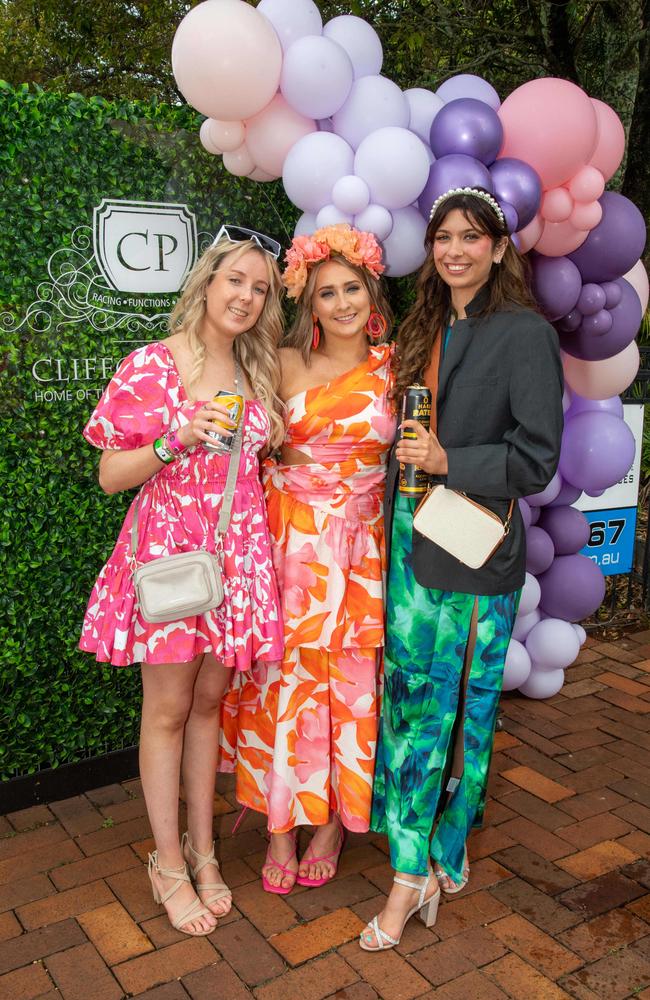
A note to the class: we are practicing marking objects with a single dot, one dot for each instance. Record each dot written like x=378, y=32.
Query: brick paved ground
x=557, y=906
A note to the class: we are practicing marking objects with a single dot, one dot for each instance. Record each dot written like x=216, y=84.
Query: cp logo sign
x=144, y=246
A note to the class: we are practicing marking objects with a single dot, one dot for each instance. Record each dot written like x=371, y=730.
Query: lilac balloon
x=330, y=215
x=292, y=19
x=615, y=244
x=394, y=164
x=580, y=632
x=592, y=299
x=597, y=450
x=542, y=683
x=375, y=219
x=572, y=320
x=424, y=106
x=305, y=225
x=625, y=322
x=404, y=248
x=511, y=217
x=306, y=63
x=525, y=513
x=534, y=514
x=467, y=126
x=351, y=194
x=313, y=166
x=580, y=405
x=469, y=85
x=556, y=285
x=450, y=172
x=524, y=623
x=539, y=550
x=568, y=528
x=552, y=644
x=530, y=596
x=572, y=588
x=360, y=41
x=519, y=185
x=374, y=102
x=567, y=396
x=548, y=494
x=517, y=667
x=567, y=495
x=325, y=125
x=613, y=293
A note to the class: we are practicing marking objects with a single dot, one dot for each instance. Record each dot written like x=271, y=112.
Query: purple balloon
x=597, y=450
x=596, y=324
x=612, y=292
x=592, y=299
x=567, y=495
x=519, y=185
x=548, y=494
x=451, y=172
x=525, y=513
x=572, y=588
x=516, y=241
x=539, y=550
x=512, y=219
x=467, y=126
x=570, y=322
x=468, y=85
x=615, y=244
x=626, y=319
x=568, y=528
x=534, y=515
x=580, y=405
x=556, y=285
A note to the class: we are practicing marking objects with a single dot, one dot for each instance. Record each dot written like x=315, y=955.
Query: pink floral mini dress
x=179, y=511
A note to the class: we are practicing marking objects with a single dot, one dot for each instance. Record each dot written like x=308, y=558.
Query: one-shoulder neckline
x=346, y=374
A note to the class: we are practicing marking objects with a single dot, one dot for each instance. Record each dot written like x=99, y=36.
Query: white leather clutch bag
x=461, y=526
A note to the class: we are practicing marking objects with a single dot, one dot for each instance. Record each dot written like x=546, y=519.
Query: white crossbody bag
x=462, y=527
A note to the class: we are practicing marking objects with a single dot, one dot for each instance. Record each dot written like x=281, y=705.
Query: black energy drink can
x=416, y=405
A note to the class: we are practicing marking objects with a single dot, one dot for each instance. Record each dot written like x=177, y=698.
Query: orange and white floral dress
x=302, y=738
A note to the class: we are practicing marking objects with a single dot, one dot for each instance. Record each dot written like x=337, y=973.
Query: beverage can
x=235, y=406
x=416, y=405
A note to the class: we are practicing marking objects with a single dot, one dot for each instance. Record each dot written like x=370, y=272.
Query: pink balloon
x=560, y=238
x=226, y=58
x=602, y=379
x=262, y=176
x=271, y=134
x=610, y=145
x=239, y=162
x=529, y=235
x=227, y=136
x=586, y=215
x=637, y=276
x=587, y=185
x=205, y=135
x=557, y=205
x=552, y=125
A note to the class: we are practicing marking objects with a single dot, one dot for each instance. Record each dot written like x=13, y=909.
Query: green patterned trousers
x=427, y=633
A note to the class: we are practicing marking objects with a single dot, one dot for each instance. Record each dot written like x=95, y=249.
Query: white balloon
x=351, y=195
x=360, y=41
x=404, y=248
x=517, y=667
x=331, y=216
x=374, y=102
x=292, y=19
x=375, y=219
x=306, y=225
x=394, y=164
x=307, y=63
x=313, y=167
x=424, y=106
x=530, y=596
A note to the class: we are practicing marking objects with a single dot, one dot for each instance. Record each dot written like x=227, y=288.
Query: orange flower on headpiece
x=360, y=249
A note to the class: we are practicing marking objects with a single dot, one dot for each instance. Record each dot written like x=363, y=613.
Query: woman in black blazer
x=493, y=364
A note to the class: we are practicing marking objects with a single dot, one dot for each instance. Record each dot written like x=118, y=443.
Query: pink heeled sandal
x=333, y=859
x=280, y=890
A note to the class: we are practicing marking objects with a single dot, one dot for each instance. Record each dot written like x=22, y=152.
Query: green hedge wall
x=59, y=156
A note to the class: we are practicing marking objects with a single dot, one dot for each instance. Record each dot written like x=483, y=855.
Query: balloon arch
x=286, y=96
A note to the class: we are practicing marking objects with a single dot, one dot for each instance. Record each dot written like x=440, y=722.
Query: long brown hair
x=507, y=287
x=301, y=331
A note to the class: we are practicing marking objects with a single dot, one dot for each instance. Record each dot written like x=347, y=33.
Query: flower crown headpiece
x=360, y=249
x=487, y=198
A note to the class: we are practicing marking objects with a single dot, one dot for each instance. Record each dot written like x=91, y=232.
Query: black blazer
x=500, y=421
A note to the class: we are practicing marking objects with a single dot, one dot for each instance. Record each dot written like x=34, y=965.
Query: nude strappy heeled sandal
x=218, y=890
x=427, y=910
x=194, y=911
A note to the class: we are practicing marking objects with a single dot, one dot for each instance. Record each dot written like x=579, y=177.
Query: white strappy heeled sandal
x=427, y=910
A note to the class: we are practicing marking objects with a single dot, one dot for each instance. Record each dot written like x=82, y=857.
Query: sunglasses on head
x=238, y=234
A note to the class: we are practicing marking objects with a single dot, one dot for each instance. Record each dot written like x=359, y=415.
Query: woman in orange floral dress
x=305, y=738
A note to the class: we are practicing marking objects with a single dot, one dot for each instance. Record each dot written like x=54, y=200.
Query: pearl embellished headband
x=487, y=198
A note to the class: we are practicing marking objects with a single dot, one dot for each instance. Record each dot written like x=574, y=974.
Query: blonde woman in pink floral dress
x=152, y=423
x=307, y=739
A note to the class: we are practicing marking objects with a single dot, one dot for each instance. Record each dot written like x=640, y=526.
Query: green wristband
x=162, y=451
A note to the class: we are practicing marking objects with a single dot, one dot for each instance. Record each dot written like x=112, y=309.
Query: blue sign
x=611, y=544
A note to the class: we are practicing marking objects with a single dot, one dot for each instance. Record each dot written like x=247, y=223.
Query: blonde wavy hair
x=300, y=334
x=257, y=348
